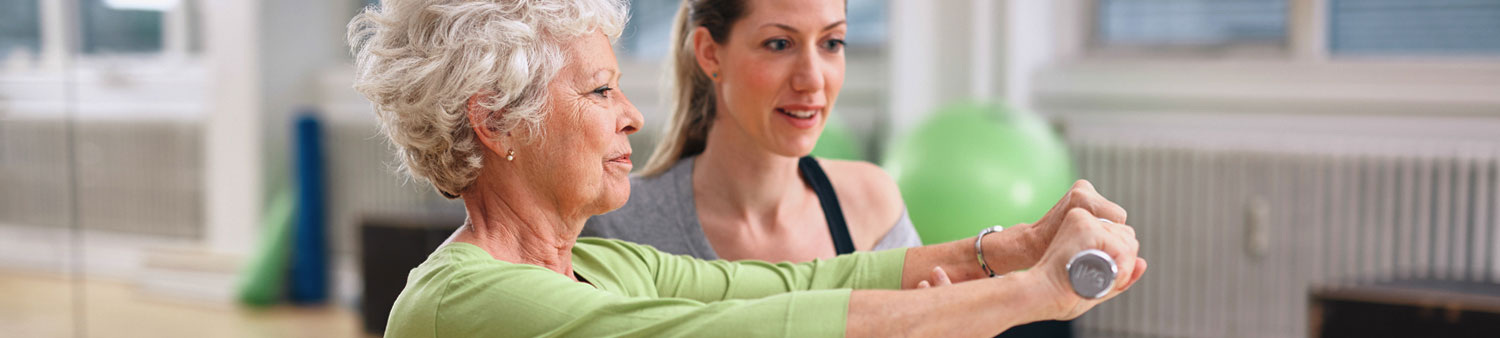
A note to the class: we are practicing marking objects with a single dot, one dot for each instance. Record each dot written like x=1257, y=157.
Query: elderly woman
x=511, y=106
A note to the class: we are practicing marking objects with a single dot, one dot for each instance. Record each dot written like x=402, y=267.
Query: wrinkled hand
x=1080, y=230
x=1081, y=196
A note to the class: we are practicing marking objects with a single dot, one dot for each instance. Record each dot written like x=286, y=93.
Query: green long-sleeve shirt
x=460, y=291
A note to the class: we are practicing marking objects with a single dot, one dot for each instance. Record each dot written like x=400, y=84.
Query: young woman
x=732, y=179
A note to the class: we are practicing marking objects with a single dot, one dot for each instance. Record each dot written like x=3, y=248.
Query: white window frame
x=1087, y=17
x=167, y=84
x=58, y=35
x=1304, y=79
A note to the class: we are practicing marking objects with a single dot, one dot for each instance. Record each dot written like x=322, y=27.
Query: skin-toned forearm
x=1009, y=250
x=976, y=306
x=980, y=308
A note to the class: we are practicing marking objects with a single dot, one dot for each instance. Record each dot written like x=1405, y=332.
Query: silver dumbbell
x=1092, y=273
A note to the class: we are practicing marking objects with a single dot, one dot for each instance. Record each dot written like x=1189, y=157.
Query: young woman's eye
x=778, y=44
x=602, y=91
x=834, y=45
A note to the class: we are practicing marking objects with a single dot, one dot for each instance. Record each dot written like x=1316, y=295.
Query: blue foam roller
x=309, y=274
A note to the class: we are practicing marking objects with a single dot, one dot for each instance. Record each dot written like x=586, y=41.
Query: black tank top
x=818, y=180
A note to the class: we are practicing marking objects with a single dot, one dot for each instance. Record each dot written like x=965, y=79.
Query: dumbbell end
x=1092, y=273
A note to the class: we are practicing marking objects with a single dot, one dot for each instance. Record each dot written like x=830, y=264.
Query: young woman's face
x=780, y=71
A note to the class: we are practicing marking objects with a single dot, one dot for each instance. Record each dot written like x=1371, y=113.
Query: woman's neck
x=735, y=175
x=515, y=226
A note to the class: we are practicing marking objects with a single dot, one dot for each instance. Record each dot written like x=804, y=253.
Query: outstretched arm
x=1017, y=247
x=987, y=306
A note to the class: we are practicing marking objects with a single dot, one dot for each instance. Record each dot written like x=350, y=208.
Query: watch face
x=1092, y=273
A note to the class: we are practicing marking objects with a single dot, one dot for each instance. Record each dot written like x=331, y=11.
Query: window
x=117, y=27
x=1336, y=28
x=649, y=31
x=1414, y=28
x=19, y=29
x=1419, y=57
x=867, y=22
x=101, y=27
x=1190, y=24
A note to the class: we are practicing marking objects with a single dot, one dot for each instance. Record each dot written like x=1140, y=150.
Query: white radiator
x=1237, y=231
x=145, y=176
x=136, y=147
x=133, y=176
x=363, y=181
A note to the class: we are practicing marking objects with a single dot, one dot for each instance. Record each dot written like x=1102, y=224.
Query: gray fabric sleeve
x=902, y=235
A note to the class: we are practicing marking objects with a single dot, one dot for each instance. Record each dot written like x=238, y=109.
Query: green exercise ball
x=837, y=142
x=973, y=165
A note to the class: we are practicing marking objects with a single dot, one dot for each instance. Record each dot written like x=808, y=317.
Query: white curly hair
x=419, y=62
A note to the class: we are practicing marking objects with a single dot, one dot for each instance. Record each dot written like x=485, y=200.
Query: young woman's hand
x=939, y=278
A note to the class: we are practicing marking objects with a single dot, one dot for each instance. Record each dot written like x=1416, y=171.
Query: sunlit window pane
x=1190, y=22
x=649, y=31
x=1405, y=27
x=108, y=29
x=18, y=27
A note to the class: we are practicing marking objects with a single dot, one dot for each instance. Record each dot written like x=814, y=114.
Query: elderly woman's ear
x=487, y=133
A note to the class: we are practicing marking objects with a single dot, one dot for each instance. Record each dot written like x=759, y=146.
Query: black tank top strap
x=818, y=180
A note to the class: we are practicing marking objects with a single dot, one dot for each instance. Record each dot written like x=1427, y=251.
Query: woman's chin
x=798, y=147
x=617, y=194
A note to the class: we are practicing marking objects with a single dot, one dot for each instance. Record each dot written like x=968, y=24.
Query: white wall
x=300, y=41
x=949, y=51
x=232, y=141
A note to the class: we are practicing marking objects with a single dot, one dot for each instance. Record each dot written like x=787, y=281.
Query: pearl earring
x=510, y=155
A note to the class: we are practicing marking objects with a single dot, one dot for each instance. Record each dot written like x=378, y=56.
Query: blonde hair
x=419, y=62
x=693, y=101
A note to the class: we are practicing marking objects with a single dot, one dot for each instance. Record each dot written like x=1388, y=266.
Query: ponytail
x=693, y=100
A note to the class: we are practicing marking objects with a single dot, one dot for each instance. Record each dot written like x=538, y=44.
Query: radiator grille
x=1236, y=235
x=145, y=177
x=134, y=176
x=362, y=181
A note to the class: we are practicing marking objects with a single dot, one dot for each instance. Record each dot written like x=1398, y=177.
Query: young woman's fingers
x=940, y=277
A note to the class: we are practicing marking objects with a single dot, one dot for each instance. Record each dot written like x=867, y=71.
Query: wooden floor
x=38, y=305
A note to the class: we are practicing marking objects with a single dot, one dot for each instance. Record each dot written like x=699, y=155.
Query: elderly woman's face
x=781, y=68
x=583, y=155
